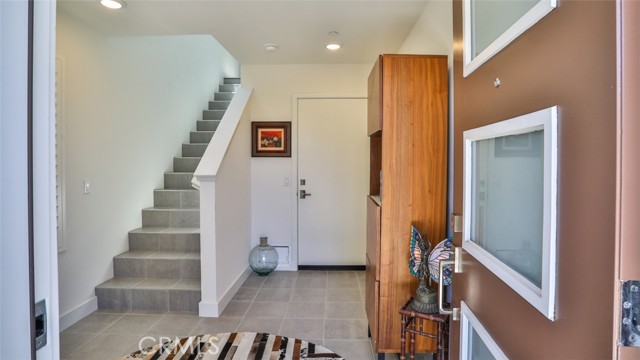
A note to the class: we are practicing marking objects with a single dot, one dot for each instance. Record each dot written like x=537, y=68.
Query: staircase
x=161, y=270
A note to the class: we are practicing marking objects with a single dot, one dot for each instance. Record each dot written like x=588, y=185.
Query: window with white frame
x=510, y=200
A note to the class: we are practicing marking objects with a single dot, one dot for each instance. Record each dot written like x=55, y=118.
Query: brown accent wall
x=567, y=59
x=629, y=171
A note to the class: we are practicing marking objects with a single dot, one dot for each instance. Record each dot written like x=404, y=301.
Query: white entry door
x=333, y=169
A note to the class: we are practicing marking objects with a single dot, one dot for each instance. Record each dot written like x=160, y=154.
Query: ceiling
x=299, y=27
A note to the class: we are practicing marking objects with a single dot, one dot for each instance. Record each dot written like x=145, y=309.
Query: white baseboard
x=78, y=313
x=208, y=309
x=214, y=309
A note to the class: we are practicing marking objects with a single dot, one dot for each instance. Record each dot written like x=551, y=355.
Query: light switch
x=87, y=187
x=287, y=181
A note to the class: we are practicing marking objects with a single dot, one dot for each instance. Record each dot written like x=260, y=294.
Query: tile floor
x=326, y=308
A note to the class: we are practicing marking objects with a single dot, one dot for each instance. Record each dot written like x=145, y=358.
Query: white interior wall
x=272, y=203
x=433, y=32
x=129, y=105
x=233, y=221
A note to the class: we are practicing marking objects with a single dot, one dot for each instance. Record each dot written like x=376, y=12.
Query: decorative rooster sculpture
x=425, y=266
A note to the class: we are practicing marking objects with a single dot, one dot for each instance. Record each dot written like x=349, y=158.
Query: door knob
x=304, y=194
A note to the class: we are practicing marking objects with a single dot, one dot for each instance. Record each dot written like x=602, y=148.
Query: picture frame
x=271, y=139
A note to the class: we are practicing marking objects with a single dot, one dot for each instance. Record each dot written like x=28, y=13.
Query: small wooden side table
x=413, y=323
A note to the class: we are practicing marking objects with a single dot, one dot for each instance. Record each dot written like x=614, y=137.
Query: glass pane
x=507, y=201
x=478, y=349
x=491, y=18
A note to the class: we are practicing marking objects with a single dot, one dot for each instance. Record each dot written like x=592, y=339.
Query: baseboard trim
x=78, y=313
x=214, y=309
x=233, y=289
x=333, y=267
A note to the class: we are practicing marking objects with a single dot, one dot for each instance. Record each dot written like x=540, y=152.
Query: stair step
x=185, y=164
x=157, y=264
x=207, y=125
x=165, y=239
x=201, y=137
x=171, y=218
x=193, y=150
x=231, y=81
x=227, y=88
x=219, y=105
x=212, y=114
x=225, y=96
x=176, y=198
x=174, y=180
x=149, y=294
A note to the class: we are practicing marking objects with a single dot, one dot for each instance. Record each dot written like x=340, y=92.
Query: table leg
x=402, y=338
x=412, y=335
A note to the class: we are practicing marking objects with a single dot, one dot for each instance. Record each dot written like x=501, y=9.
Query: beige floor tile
x=245, y=294
x=311, y=282
x=351, y=349
x=216, y=325
x=133, y=324
x=172, y=326
x=308, y=295
x=274, y=295
x=305, y=310
x=345, y=310
x=345, y=329
x=279, y=282
x=270, y=326
x=105, y=346
x=70, y=342
x=95, y=323
x=270, y=310
x=236, y=309
x=343, y=295
x=303, y=328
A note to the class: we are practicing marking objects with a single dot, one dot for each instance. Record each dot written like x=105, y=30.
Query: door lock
x=304, y=194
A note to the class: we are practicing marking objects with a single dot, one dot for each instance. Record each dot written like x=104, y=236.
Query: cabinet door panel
x=372, y=294
x=373, y=236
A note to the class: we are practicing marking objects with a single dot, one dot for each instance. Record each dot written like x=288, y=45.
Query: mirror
x=490, y=25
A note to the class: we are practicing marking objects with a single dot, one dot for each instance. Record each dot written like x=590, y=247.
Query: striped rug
x=235, y=346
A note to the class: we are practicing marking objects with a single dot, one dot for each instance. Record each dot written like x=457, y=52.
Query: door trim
x=469, y=320
x=295, y=99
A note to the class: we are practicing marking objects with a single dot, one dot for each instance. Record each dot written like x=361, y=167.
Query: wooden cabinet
x=407, y=113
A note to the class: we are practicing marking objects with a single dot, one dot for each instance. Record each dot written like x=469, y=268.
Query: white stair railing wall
x=224, y=180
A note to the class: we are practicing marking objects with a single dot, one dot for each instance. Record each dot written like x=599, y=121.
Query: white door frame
x=15, y=313
x=296, y=97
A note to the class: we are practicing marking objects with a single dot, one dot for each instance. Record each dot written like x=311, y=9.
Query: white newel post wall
x=223, y=178
x=208, y=303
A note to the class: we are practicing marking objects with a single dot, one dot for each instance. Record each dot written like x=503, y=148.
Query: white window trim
x=530, y=18
x=470, y=321
x=542, y=298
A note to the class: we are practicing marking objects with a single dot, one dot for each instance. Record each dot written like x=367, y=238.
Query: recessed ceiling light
x=270, y=47
x=333, y=46
x=113, y=4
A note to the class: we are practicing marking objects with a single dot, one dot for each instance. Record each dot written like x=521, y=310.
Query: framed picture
x=270, y=139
